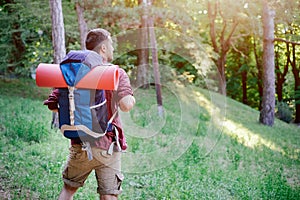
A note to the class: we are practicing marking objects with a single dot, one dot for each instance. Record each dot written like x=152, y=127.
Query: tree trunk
x=58, y=39
x=267, y=112
x=279, y=87
x=224, y=43
x=143, y=52
x=297, y=115
x=58, y=31
x=18, y=43
x=244, y=86
x=155, y=67
x=259, y=73
x=296, y=73
x=81, y=24
x=297, y=99
x=280, y=76
x=295, y=70
x=221, y=68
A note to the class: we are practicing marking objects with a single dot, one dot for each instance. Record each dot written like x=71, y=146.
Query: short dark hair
x=96, y=37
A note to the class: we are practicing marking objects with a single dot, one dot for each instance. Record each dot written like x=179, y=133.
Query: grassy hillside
x=204, y=147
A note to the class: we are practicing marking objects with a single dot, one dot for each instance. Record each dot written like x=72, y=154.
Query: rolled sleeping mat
x=49, y=75
x=100, y=77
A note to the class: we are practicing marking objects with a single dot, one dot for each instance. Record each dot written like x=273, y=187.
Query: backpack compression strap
x=81, y=128
x=72, y=104
x=85, y=129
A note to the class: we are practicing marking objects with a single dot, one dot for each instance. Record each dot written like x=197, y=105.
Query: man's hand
x=127, y=103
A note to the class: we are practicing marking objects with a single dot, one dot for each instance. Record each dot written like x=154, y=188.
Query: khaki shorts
x=107, y=169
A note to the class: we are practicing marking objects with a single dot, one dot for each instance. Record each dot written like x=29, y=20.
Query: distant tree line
x=230, y=34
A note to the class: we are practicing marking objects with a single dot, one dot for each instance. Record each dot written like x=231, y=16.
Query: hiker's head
x=99, y=40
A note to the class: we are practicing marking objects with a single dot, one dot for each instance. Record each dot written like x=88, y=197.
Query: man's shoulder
x=122, y=72
x=87, y=57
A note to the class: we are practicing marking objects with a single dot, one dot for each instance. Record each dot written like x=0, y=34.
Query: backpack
x=82, y=108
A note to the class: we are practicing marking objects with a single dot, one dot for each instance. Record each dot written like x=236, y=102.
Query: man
x=107, y=166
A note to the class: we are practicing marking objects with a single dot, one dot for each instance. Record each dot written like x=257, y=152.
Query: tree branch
x=238, y=51
x=286, y=68
x=286, y=41
x=223, y=33
x=212, y=16
x=232, y=31
x=227, y=41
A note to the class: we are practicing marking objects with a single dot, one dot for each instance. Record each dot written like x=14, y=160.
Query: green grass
x=204, y=147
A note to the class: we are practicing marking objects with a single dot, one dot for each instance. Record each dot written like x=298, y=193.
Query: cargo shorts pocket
x=111, y=185
x=119, y=180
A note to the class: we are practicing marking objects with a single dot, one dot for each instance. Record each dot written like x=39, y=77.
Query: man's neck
x=104, y=59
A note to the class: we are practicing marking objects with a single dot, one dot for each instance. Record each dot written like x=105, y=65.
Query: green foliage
x=183, y=20
x=284, y=112
x=186, y=71
x=36, y=53
x=23, y=31
x=34, y=29
x=128, y=62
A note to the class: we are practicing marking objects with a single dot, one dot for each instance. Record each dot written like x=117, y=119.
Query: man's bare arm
x=127, y=103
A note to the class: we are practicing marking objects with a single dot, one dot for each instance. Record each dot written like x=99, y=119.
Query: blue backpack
x=82, y=112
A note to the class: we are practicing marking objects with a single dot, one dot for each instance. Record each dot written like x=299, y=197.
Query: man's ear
x=103, y=47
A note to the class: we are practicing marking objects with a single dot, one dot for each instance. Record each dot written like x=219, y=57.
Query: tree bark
x=280, y=76
x=244, y=86
x=143, y=52
x=221, y=69
x=279, y=87
x=81, y=24
x=296, y=73
x=18, y=43
x=267, y=113
x=259, y=73
x=58, y=39
x=155, y=67
x=58, y=31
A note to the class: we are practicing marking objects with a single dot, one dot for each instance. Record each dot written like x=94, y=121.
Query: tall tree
x=58, y=39
x=143, y=52
x=79, y=7
x=222, y=44
x=259, y=67
x=296, y=72
x=288, y=34
x=239, y=68
x=281, y=73
x=58, y=31
x=267, y=112
x=155, y=64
